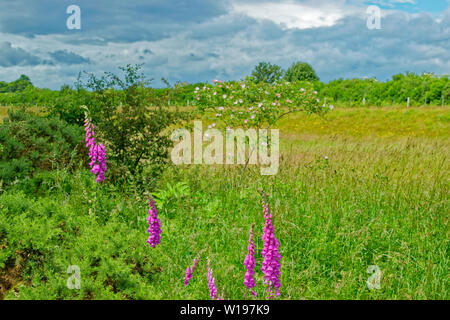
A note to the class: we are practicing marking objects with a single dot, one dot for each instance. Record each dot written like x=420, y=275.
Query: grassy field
x=362, y=187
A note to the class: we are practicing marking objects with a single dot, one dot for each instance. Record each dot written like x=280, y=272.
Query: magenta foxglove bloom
x=271, y=257
x=154, y=225
x=96, y=152
x=211, y=284
x=189, y=272
x=250, y=263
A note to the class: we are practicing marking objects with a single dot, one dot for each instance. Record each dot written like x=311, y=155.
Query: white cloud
x=291, y=15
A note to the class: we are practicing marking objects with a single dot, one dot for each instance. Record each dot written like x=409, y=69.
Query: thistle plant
x=154, y=225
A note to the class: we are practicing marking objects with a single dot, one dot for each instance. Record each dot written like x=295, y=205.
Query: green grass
x=380, y=198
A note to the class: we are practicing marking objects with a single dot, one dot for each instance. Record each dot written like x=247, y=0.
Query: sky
x=202, y=40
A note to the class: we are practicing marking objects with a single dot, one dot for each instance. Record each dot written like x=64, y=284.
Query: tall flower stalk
x=97, y=152
x=271, y=256
x=211, y=283
x=250, y=263
x=154, y=225
x=189, y=272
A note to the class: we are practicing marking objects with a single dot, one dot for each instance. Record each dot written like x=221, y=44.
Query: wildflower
x=97, y=153
x=243, y=86
x=154, y=225
x=197, y=88
x=224, y=96
x=250, y=263
x=100, y=168
x=211, y=283
x=190, y=271
x=271, y=256
x=331, y=107
x=220, y=108
x=215, y=93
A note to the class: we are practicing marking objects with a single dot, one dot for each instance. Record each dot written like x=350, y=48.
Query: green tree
x=301, y=71
x=267, y=72
x=134, y=133
x=20, y=84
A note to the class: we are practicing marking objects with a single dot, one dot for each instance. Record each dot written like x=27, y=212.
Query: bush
x=133, y=132
x=30, y=143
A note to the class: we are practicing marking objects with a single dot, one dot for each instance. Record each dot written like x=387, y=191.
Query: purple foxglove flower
x=96, y=152
x=154, y=225
x=211, y=284
x=189, y=272
x=250, y=263
x=271, y=256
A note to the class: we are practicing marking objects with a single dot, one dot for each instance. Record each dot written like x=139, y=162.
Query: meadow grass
x=361, y=187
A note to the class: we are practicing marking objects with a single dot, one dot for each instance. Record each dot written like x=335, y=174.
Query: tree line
x=402, y=89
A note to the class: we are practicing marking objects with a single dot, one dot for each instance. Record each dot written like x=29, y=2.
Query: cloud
x=112, y=20
x=67, y=57
x=291, y=15
x=14, y=56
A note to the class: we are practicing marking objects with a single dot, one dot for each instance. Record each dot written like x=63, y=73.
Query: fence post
x=407, y=103
x=364, y=101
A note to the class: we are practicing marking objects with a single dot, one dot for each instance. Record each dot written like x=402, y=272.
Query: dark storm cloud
x=11, y=56
x=67, y=57
x=112, y=20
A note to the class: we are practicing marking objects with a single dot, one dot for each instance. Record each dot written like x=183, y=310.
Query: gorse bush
x=32, y=143
x=133, y=132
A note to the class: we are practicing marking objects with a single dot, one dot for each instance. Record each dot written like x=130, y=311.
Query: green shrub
x=33, y=143
x=134, y=133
